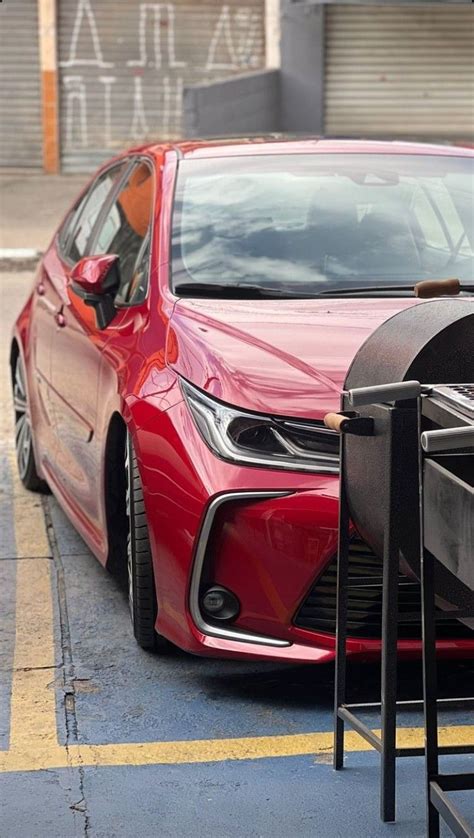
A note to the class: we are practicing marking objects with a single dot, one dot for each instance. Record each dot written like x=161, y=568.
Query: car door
x=121, y=228
x=46, y=304
x=76, y=361
x=43, y=325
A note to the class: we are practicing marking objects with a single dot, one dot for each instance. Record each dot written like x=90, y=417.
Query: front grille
x=318, y=611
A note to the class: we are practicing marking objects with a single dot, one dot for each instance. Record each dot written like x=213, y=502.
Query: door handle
x=60, y=319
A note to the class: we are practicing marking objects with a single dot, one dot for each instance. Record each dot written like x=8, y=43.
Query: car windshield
x=317, y=223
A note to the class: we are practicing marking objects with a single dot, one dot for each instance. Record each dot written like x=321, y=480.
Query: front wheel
x=141, y=582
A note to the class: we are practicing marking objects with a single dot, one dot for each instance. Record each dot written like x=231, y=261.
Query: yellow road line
x=208, y=750
x=33, y=711
x=33, y=739
x=30, y=529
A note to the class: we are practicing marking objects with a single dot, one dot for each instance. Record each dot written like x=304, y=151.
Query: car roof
x=286, y=144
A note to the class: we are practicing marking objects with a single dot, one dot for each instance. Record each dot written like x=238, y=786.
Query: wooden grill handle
x=335, y=421
x=437, y=288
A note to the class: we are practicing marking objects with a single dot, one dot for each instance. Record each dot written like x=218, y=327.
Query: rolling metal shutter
x=123, y=66
x=400, y=71
x=20, y=89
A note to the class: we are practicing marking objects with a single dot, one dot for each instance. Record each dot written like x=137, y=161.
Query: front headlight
x=254, y=440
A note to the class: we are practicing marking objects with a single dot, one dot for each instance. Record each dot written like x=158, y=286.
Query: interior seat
x=388, y=243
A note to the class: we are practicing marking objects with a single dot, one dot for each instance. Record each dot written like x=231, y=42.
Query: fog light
x=220, y=604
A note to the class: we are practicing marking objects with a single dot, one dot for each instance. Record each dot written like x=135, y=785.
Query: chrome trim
x=200, y=555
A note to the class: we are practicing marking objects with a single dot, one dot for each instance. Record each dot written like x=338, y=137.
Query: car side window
x=88, y=212
x=69, y=223
x=125, y=231
x=138, y=286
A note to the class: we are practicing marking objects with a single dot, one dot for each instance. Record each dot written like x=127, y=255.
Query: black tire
x=25, y=455
x=141, y=582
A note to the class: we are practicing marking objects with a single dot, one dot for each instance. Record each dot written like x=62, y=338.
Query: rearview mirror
x=96, y=279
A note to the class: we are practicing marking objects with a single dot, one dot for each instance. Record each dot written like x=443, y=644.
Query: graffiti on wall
x=126, y=81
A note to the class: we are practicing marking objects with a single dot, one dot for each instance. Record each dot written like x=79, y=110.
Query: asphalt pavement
x=103, y=740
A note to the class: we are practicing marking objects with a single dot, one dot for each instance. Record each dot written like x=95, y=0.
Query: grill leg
x=389, y=683
x=430, y=687
x=389, y=645
x=341, y=625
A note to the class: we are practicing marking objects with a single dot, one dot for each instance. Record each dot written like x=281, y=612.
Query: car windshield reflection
x=308, y=222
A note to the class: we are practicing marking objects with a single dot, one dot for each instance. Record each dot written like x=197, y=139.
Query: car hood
x=284, y=357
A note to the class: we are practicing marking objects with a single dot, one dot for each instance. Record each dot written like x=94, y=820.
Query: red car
x=189, y=326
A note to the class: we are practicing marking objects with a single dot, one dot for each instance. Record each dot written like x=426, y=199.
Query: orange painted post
x=49, y=84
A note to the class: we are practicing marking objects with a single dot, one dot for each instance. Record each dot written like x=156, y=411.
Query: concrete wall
x=290, y=99
x=302, y=67
x=245, y=104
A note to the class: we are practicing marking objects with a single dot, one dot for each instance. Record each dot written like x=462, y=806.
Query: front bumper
x=265, y=535
x=270, y=551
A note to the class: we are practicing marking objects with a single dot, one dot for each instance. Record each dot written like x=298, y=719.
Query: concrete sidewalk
x=31, y=207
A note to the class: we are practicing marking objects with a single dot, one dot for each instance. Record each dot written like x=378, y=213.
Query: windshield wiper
x=424, y=288
x=243, y=291
x=366, y=290
x=240, y=292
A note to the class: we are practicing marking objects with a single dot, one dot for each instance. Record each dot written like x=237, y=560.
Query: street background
x=101, y=739
x=98, y=738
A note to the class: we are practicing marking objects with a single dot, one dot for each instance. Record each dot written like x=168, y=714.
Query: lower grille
x=318, y=611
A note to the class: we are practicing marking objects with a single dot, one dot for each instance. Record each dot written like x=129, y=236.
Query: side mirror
x=96, y=280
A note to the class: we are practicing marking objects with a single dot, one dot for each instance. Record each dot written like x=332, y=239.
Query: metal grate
x=20, y=89
x=318, y=611
x=459, y=396
x=399, y=69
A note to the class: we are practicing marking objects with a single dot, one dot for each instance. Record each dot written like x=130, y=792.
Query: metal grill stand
x=438, y=785
x=394, y=423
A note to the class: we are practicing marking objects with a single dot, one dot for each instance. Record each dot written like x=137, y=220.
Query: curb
x=18, y=258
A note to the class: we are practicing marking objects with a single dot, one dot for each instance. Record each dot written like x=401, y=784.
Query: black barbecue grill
x=430, y=342
x=407, y=483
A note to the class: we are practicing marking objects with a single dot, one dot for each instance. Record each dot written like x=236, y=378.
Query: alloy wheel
x=23, y=438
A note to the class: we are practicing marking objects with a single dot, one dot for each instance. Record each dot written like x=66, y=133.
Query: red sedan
x=189, y=326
